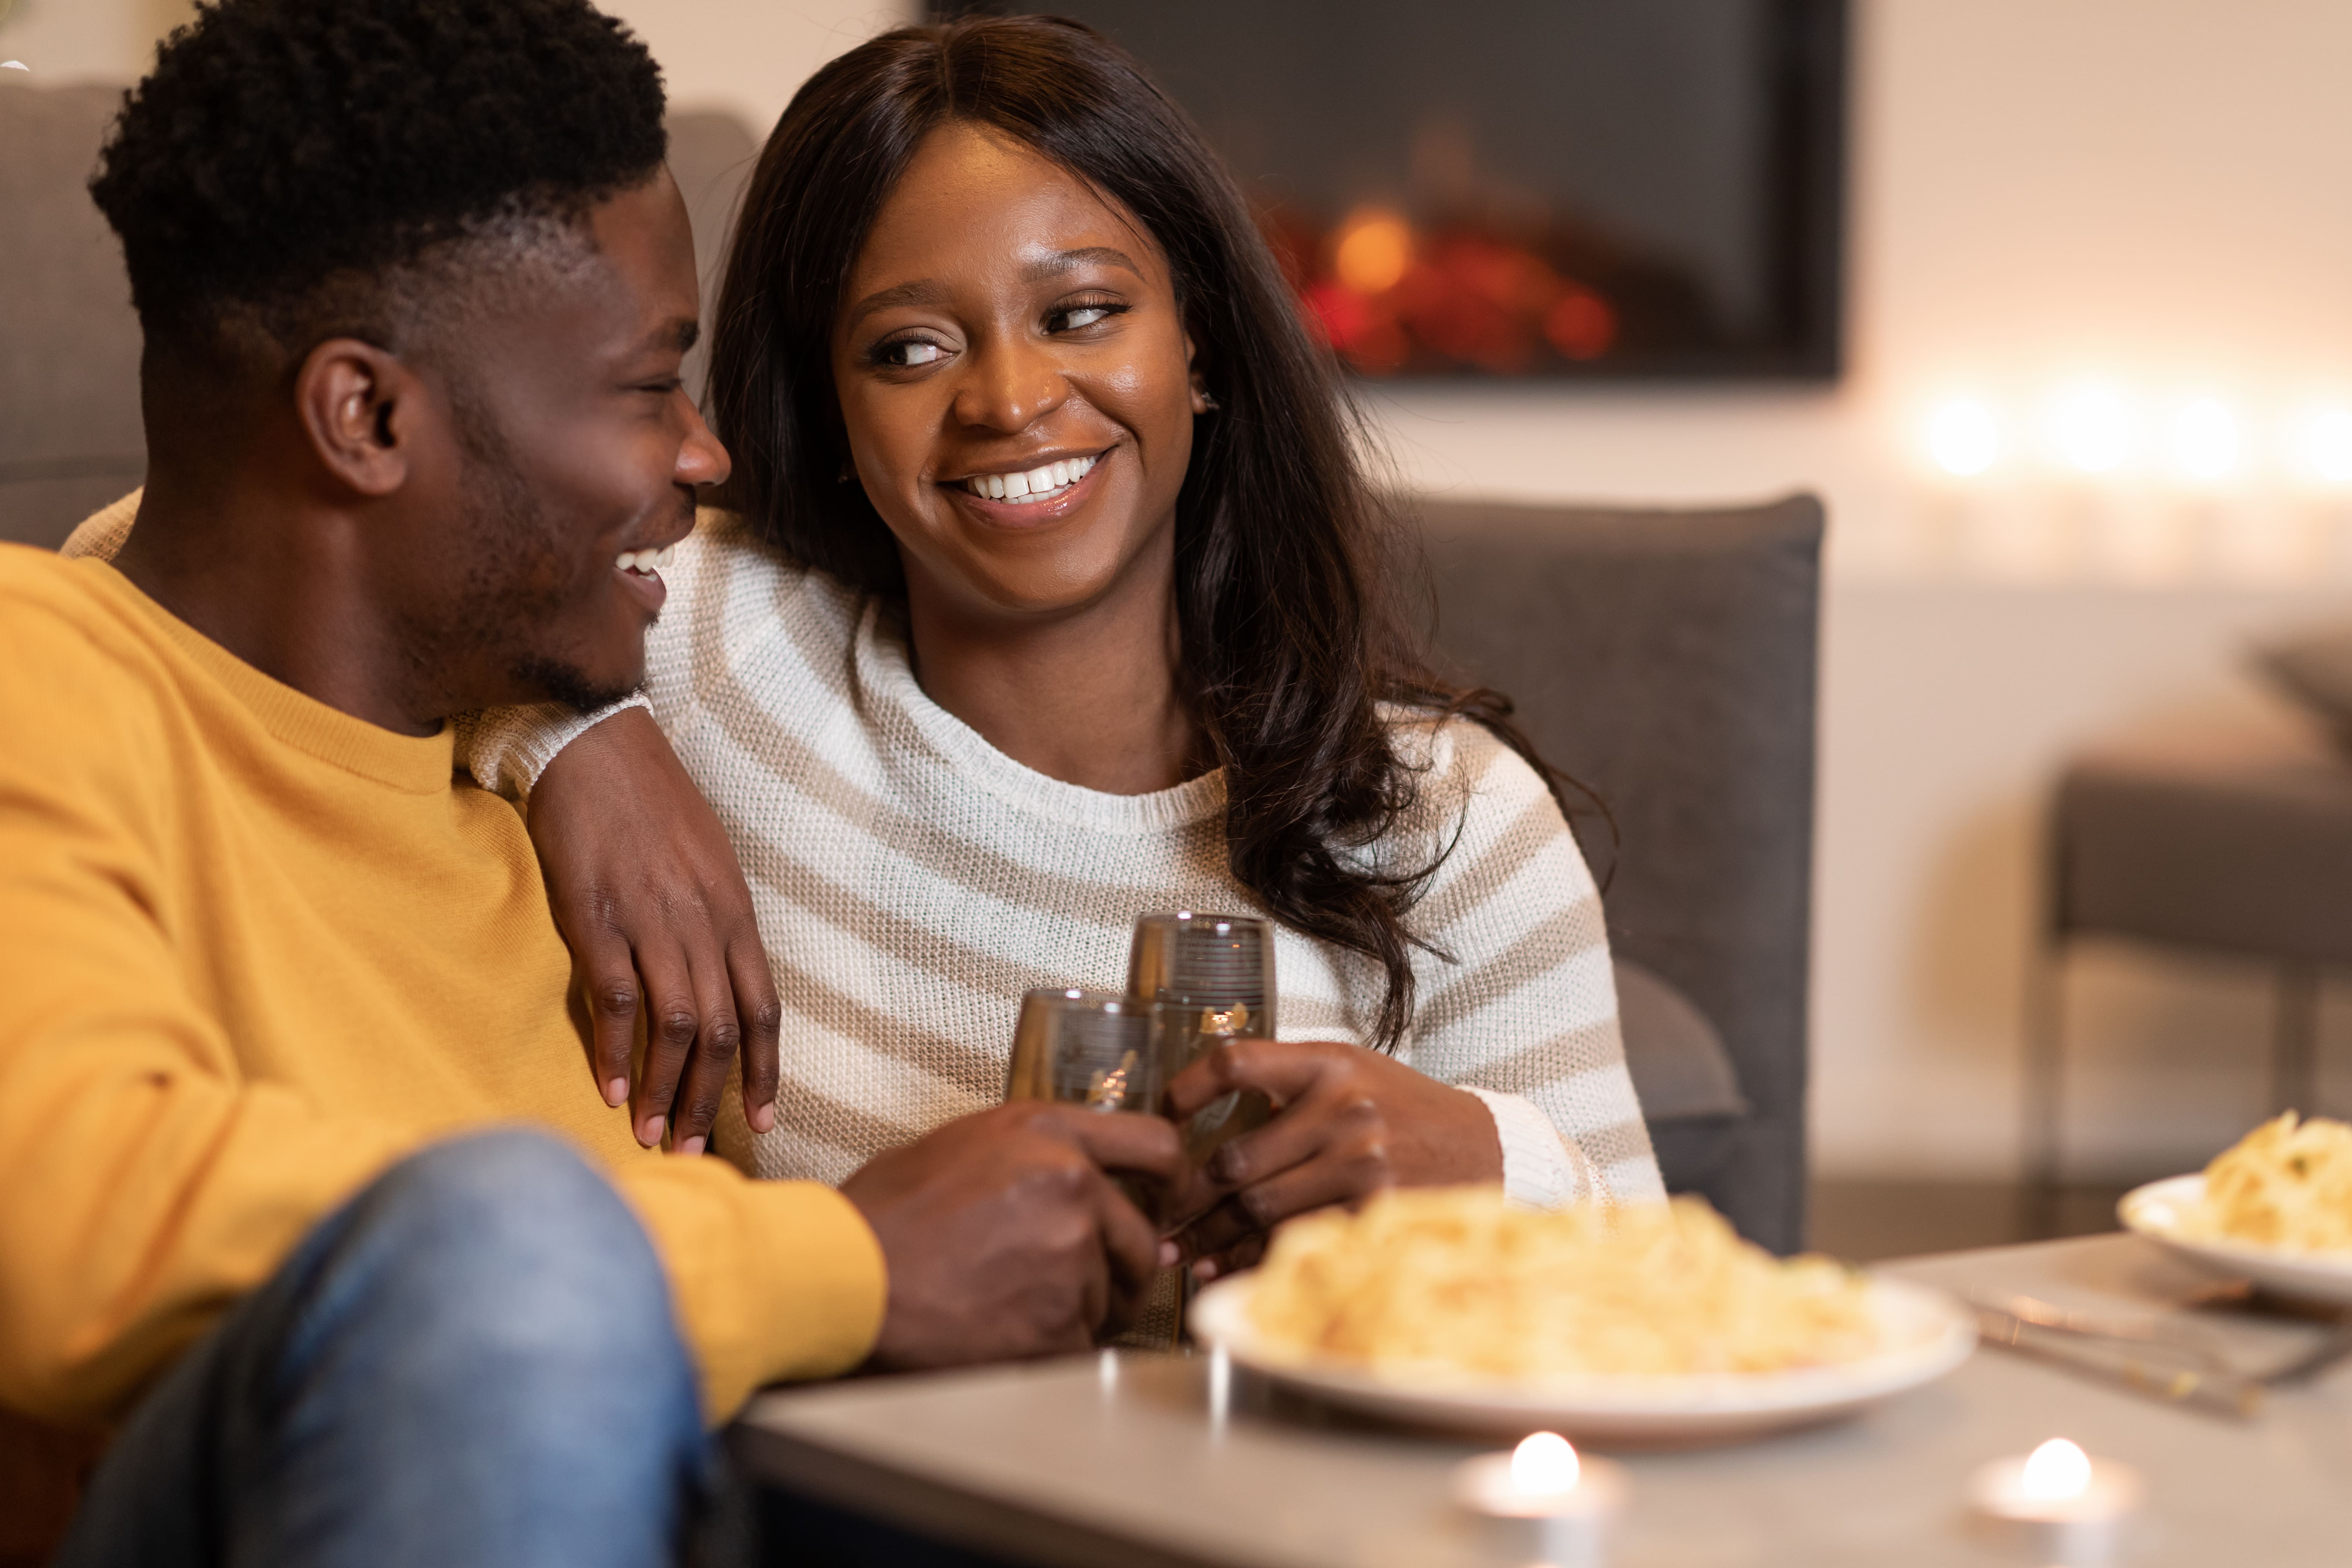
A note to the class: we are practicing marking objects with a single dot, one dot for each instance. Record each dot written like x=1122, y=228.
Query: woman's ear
x=1201, y=402
x=361, y=409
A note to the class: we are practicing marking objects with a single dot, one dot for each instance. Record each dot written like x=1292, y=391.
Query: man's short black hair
x=287, y=157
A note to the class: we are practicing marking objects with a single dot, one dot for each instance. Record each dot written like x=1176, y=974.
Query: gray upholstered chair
x=70, y=438
x=2228, y=840
x=1666, y=659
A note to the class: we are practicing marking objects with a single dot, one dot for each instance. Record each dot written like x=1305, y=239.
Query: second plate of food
x=2168, y=1212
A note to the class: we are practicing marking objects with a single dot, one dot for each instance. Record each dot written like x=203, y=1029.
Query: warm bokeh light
x=1544, y=1465
x=2056, y=1471
x=1963, y=438
x=2205, y=440
x=1374, y=249
x=2327, y=445
x=2091, y=428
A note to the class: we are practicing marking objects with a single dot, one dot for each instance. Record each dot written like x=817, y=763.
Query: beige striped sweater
x=911, y=881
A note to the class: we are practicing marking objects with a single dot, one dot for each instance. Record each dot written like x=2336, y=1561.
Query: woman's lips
x=1032, y=511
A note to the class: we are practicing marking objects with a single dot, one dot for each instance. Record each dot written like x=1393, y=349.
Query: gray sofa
x=1665, y=658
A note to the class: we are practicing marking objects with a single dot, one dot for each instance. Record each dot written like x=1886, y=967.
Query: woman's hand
x=1348, y=1122
x=647, y=892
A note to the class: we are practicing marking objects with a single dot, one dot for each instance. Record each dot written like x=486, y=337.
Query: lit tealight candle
x=1544, y=1501
x=2057, y=1503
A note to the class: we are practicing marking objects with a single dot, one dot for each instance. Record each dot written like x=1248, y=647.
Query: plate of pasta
x=1650, y=1322
x=2275, y=1208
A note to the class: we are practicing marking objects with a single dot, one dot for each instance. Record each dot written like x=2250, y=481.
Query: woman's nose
x=1008, y=386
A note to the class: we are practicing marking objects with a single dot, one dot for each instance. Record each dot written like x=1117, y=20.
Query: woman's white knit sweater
x=911, y=881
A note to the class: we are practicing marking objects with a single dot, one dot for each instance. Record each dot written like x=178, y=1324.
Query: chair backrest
x=70, y=435
x=1666, y=659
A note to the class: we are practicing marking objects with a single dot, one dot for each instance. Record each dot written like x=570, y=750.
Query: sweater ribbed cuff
x=505, y=748
x=1540, y=1169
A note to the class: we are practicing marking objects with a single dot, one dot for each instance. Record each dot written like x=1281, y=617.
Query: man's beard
x=515, y=589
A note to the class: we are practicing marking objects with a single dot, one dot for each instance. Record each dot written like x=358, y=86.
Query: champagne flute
x=1094, y=1048
x=1212, y=976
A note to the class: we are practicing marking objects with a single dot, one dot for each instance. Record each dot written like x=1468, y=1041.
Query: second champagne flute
x=1214, y=977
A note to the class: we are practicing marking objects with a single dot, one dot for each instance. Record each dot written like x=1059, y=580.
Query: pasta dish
x=1454, y=1280
x=2287, y=1184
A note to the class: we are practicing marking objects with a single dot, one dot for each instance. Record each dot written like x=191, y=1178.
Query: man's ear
x=363, y=411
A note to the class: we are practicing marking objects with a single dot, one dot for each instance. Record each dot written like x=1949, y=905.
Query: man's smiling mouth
x=1044, y=483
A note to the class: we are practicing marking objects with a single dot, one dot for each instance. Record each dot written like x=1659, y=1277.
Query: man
x=278, y=996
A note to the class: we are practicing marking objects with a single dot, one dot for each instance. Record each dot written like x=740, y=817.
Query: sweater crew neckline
x=414, y=765
x=883, y=666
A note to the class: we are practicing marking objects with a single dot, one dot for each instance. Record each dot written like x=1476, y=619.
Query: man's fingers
x=1119, y=1140
x=761, y=1014
x=610, y=981
x=1283, y=1070
x=671, y=1023
x=716, y=1039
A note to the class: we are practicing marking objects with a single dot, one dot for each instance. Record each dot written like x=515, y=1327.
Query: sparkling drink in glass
x=1212, y=976
x=1094, y=1048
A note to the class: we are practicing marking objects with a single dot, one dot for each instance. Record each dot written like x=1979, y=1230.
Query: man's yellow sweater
x=252, y=951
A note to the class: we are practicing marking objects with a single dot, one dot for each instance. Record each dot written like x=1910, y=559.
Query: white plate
x=2159, y=1210
x=1925, y=1334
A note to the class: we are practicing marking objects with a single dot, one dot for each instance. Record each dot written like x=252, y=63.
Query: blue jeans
x=474, y=1362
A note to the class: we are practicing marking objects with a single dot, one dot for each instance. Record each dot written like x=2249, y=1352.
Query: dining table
x=1127, y=1459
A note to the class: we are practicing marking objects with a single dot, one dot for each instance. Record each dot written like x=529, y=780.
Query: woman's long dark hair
x=1291, y=633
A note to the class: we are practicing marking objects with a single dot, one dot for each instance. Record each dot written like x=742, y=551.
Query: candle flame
x=1544, y=1465
x=2056, y=1471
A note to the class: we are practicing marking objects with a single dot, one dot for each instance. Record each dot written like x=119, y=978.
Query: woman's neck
x=1089, y=697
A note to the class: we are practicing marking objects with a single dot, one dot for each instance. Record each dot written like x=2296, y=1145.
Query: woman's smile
x=1043, y=492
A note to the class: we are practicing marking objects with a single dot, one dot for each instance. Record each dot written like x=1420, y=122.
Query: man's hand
x=646, y=891
x=1348, y=1122
x=1005, y=1239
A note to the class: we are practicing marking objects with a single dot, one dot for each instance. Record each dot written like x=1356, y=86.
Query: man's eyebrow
x=680, y=334
x=1071, y=260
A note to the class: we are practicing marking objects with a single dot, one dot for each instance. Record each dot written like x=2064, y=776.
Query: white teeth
x=1035, y=483
x=661, y=561
x=645, y=561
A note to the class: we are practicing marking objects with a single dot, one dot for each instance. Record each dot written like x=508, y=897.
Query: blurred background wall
x=2140, y=196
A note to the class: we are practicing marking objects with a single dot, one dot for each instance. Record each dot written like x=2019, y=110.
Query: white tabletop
x=1127, y=1459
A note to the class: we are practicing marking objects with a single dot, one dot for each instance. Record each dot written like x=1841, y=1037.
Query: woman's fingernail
x=1205, y=1270
x=615, y=1090
x=649, y=1131
x=692, y=1146
x=763, y=1118
x=1169, y=1254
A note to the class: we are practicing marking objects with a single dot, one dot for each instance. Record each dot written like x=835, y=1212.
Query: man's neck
x=276, y=579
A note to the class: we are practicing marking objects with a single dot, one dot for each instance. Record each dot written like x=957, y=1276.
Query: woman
x=1052, y=593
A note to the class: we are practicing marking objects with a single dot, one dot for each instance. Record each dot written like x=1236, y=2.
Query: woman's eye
x=912, y=353
x=1070, y=318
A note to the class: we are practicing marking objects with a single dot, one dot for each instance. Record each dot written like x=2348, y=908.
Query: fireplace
x=1530, y=188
